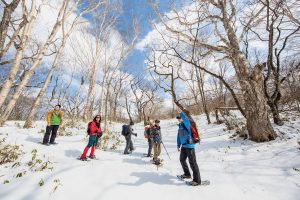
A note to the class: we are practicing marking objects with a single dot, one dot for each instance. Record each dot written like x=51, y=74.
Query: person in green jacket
x=54, y=120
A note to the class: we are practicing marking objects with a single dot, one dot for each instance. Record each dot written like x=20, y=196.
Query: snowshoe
x=93, y=157
x=147, y=156
x=193, y=183
x=53, y=143
x=158, y=162
x=182, y=177
x=82, y=159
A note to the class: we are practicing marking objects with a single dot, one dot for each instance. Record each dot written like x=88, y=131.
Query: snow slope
x=237, y=169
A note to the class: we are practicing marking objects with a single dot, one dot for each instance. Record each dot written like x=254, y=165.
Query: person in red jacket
x=95, y=132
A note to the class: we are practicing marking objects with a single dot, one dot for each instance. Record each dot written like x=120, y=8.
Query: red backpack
x=88, y=128
x=194, y=132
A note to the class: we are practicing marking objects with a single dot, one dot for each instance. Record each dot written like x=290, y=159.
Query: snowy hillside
x=237, y=169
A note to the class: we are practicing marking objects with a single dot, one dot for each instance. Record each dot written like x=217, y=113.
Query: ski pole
x=165, y=149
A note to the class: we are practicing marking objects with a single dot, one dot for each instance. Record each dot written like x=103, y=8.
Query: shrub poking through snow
x=110, y=140
x=238, y=125
x=63, y=131
x=9, y=153
x=41, y=182
x=36, y=164
x=57, y=183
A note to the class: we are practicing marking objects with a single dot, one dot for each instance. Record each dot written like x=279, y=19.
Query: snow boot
x=183, y=176
x=83, y=156
x=92, y=154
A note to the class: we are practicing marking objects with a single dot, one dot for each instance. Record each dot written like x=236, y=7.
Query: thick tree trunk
x=252, y=86
x=258, y=122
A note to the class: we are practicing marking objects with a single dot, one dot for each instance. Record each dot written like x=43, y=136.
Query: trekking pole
x=165, y=149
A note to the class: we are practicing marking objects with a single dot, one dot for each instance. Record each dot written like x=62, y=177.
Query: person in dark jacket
x=157, y=139
x=187, y=149
x=128, y=132
x=95, y=132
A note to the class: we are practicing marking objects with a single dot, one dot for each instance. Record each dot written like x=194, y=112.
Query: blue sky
x=143, y=12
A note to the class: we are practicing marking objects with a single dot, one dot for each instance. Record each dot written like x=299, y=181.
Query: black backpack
x=125, y=130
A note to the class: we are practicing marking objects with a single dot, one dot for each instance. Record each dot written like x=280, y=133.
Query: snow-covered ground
x=237, y=169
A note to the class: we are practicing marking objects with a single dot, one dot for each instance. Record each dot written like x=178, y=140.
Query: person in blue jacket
x=187, y=149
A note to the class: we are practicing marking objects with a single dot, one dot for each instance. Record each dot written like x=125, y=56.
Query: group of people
x=152, y=133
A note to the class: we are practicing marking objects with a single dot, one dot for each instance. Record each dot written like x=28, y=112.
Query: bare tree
x=221, y=16
x=65, y=35
x=279, y=33
x=145, y=95
x=29, y=18
x=36, y=62
x=168, y=71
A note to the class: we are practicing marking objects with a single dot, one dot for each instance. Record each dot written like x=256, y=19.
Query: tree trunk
x=106, y=107
x=87, y=113
x=203, y=99
x=4, y=24
x=128, y=108
x=19, y=54
x=144, y=117
x=275, y=113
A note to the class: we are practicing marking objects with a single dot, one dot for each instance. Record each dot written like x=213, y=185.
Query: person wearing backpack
x=54, y=120
x=186, y=146
x=157, y=139
x=94, y=131
x=127, y=131
x=148, y=136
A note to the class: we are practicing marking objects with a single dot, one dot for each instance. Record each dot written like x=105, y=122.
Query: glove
x=135, y=134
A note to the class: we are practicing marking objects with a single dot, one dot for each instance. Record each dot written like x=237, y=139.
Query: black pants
x=129, y=144
x=52, y=129
x=150, y=145
x=190, y=153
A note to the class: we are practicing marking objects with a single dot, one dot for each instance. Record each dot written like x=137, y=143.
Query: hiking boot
x=183, y=176
x=92, y=157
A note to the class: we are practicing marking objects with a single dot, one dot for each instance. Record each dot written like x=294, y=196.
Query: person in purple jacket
x=187, y=150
